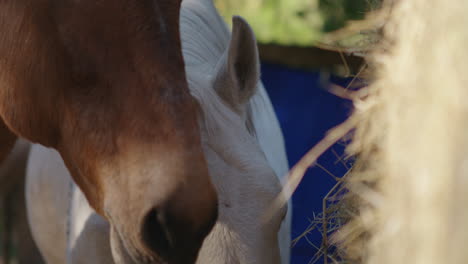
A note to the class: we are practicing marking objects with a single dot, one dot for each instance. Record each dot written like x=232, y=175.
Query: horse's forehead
x=130, y=44
x=120, y=17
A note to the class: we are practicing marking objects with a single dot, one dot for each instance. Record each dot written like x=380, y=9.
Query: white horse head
x=242, y=139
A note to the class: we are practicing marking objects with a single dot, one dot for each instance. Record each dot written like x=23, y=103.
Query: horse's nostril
x=173, y=230
x=155, y=234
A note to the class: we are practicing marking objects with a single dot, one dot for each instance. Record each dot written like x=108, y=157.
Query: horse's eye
x=85, y=79
x=284, y=212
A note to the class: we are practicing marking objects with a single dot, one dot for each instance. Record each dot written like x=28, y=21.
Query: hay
x=411, y=177
x=409, y=186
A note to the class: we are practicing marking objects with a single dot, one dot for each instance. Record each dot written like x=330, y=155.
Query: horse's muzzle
x=171, y=232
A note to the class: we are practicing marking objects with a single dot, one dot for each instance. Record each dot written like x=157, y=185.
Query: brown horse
x=103, y=82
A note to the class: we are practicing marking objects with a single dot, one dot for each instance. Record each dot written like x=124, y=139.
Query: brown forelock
x=128, y=84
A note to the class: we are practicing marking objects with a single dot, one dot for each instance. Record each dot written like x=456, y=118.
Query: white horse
x=243, y=146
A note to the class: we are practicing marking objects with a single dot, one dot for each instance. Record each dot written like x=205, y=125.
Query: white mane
x=204, y=34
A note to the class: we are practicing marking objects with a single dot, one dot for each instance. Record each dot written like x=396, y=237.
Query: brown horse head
x=103, y=82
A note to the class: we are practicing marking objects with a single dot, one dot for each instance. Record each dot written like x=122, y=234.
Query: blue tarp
x=306, y=111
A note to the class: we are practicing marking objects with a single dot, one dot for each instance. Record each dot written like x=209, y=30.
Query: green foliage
x=277, y=21
x=295, y=22
x=337, y=12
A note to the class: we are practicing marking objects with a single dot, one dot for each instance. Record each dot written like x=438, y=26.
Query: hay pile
x=411, y=176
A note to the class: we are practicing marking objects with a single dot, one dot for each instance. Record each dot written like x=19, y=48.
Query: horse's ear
x=238, y=71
